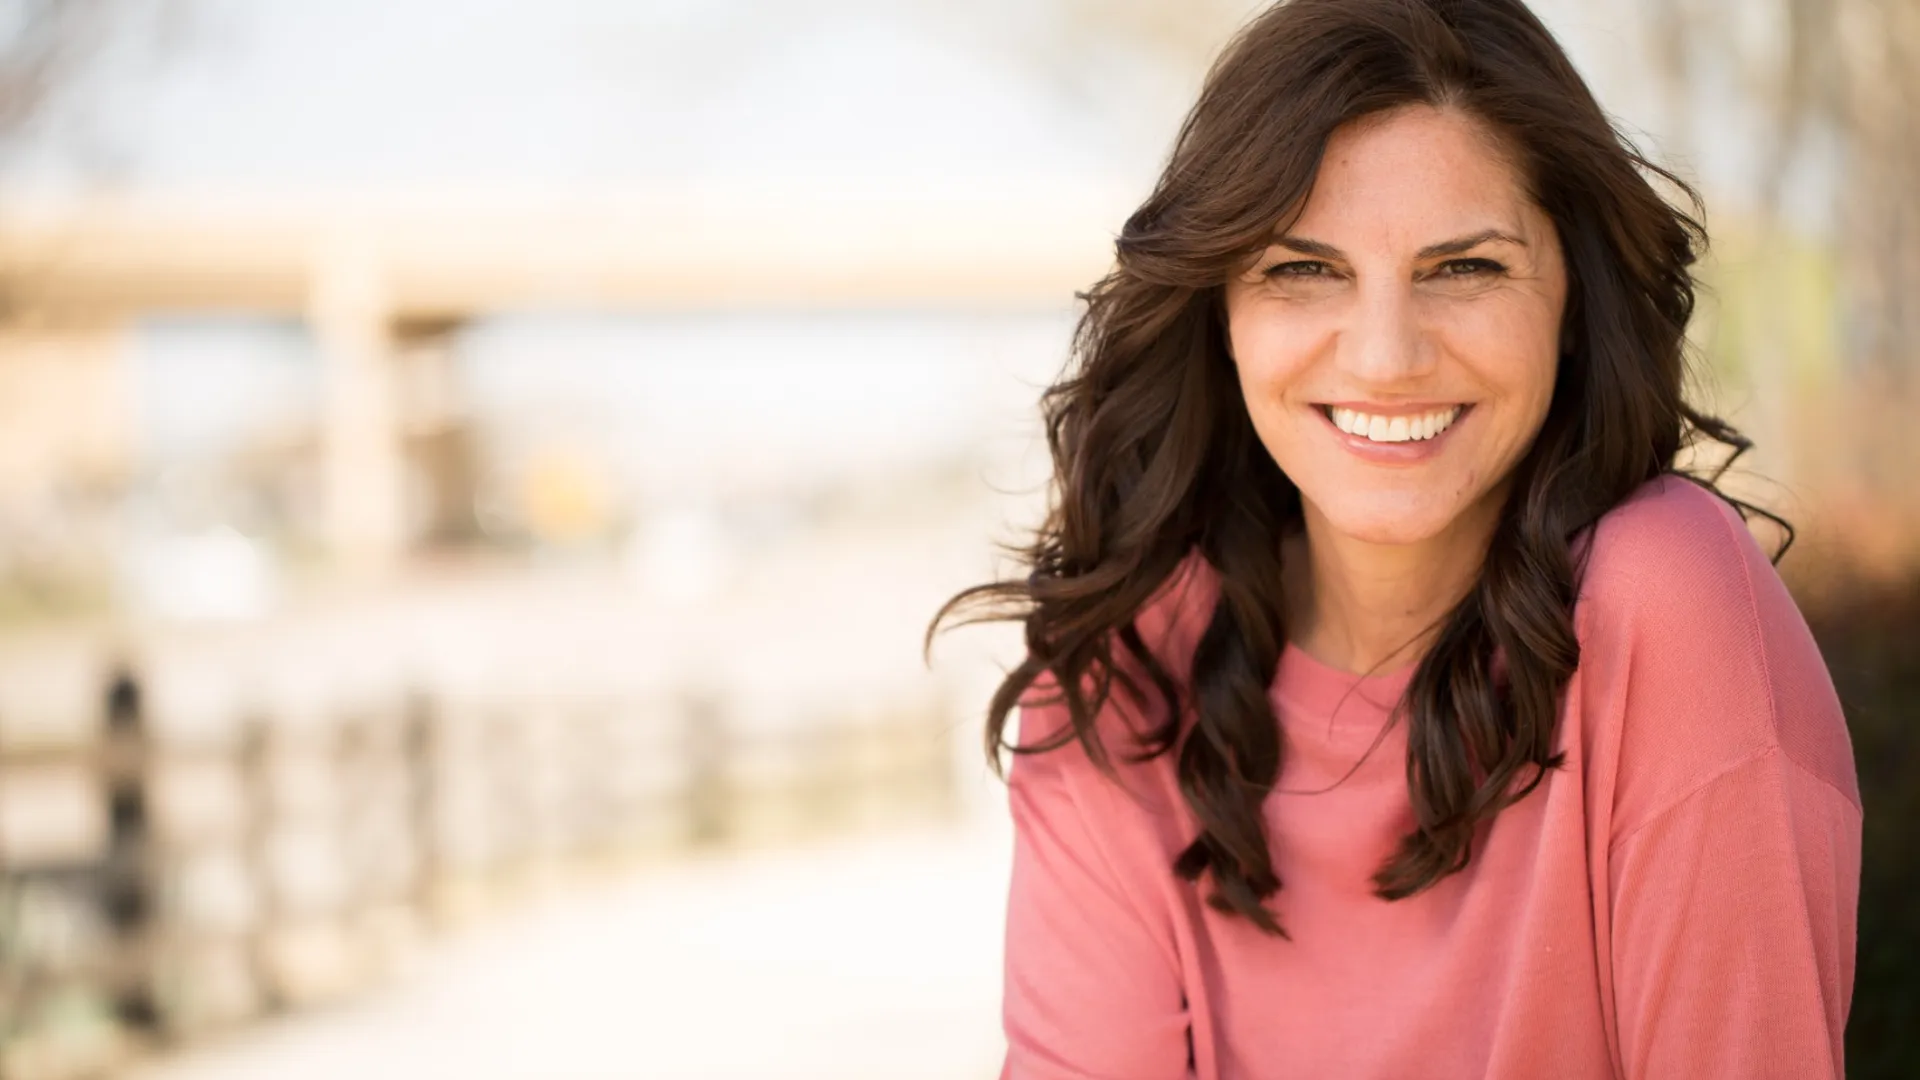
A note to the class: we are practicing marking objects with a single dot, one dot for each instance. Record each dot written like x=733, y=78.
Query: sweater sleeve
x=1734, y=929
x=1734, y=850
x=1092, y=986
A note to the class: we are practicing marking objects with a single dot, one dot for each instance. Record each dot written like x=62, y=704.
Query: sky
x=561, y=99
x=289, y=95
x=294, y=98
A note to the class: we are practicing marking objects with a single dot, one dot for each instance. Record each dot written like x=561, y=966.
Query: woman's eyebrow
x=1322, y=250
x=1304, y=246
x=1468, y=243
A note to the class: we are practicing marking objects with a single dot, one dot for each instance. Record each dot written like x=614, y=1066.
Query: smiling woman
x=1419, y=284
x=1392, y=705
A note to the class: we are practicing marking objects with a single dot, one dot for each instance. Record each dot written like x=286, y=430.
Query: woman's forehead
x=1412, y=174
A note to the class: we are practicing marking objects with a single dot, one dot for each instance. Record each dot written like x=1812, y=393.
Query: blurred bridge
x=383, y=283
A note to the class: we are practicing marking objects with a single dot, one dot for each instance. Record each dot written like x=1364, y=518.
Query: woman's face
x=1397, y=344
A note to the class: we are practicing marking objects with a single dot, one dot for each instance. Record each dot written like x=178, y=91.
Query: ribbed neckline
x=1343, y=697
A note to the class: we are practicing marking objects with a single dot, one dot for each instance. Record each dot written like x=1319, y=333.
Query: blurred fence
x=187, y=843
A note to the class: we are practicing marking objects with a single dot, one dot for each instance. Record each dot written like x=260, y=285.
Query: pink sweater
x=1676, y=902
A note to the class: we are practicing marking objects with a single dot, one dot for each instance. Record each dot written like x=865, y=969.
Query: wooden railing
x=160, y=885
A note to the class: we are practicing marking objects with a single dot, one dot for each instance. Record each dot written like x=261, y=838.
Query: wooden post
x=253, y=752
x=127, y=884
x=424, y=744
x=708, y=809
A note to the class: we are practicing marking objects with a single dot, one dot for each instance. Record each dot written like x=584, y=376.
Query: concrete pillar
x=362, y=469
x=65, y=412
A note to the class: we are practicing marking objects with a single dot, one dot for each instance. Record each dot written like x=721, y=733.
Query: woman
x=1393, y=707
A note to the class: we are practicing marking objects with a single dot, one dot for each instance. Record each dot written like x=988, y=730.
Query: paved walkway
x=871, y=958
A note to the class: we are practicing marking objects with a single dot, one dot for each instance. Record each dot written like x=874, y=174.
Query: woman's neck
x=1373, y=608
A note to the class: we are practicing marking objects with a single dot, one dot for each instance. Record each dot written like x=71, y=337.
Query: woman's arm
x=1733, y=929
x=1092, y=984
x=1733, y=858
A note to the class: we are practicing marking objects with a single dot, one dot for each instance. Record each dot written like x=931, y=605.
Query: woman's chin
x=1394, y=524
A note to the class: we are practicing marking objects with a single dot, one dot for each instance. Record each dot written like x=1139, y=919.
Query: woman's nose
x=1384, y=343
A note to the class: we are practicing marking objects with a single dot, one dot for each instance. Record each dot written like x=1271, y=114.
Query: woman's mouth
x=1373, y=427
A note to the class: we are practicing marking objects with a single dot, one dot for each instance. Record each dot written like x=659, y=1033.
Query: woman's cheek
x=1271, y=352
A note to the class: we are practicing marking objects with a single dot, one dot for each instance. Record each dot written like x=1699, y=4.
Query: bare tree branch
x=40, y=41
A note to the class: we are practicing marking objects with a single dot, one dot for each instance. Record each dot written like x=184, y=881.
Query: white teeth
x=1395, y=429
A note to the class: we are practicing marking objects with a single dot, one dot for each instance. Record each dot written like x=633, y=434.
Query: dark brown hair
x=1155, y=457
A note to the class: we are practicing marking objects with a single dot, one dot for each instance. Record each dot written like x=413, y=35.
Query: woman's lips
x=1411, y=451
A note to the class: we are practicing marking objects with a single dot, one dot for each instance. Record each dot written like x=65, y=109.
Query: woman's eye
x=1456, y=268
x=1296, y=269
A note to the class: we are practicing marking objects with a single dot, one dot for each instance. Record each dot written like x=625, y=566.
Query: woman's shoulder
x=1670, y=532
x=1172, y=620
x=1169, y=625
x=1676, y=562
x=1692, y=643
x=1674, y=567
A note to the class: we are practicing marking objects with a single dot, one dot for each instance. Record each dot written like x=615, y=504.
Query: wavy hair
x=1155, y=458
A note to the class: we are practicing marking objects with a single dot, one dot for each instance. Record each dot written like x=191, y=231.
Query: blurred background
x=473, y=477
